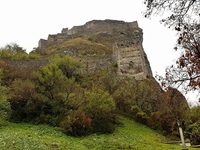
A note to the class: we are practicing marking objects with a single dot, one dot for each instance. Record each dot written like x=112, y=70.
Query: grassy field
x=129, y=136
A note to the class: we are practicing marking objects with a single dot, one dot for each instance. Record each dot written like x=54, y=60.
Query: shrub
x=5, y=109
x=15, y=52
x=76, y=124
x=22, y=100
x=95, y=114
x=168, y=122
x=4, y=104
x=100, y=106
x=11, y=50
x=69, y=66
x=194, y=130
x=142, y=117
x=13, y=72
x=153, y=121
x=50, y=81
x=192, y=122
x=58, y=93
x=15, y=48
x=51, y=86
x=193, y=115
x=6, y=53
x=125, y=95
x=45, y=99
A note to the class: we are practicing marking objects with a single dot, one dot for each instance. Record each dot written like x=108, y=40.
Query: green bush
x=194, y=130
x=192, y=123
x=125, y=95
x=6, y=53
x=22, y=99
x=142, y=117
x=76, y=124
x=58, y=93
x=100, y=106
x=4, y=104
x=154, y=121
x=51, y=85
x=69, y=66
x=95, y=114
x=46, y=98
x=15, y=52
x=5, y=109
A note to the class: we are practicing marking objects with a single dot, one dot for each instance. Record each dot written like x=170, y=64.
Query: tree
x=50, y=81
x=69, y=66
x=184, y=17
x=100, y=107
x=14, y=51
x=57, y=93
x=193, y=124
x=22, y=100
x=15, y=48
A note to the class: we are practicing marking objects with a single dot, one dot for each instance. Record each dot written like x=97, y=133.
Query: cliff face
x=108, y=41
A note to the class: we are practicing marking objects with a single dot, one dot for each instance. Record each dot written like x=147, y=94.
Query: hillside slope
x=130, y=135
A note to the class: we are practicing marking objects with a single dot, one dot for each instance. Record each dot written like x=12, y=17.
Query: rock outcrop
x=123, y=39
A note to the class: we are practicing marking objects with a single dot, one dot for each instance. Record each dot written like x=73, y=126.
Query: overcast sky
x=26, y=21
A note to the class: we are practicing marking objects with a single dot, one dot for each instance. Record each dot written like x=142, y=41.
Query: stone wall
x=26, y=64
x=128, y=52
x=131, y=58
x=90, y=28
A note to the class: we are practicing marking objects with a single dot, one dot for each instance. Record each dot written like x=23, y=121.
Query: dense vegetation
x=61, y=94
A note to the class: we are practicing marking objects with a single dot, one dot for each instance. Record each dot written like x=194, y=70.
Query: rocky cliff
x=100, y=43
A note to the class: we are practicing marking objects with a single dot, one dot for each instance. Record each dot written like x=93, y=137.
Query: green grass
x=129, y=136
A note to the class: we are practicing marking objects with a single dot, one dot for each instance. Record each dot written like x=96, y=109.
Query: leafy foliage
x=15, y=52
x=100, y=106
x=77, y=124
x=194, y=129
x=15, y=48
x=184, y=17
x=4, y=104
x=60, y=94
x=55, y=96
x=22, y=100
x=70, y=67
x=192, y=123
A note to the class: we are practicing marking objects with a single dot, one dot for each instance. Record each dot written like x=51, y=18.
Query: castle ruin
x=127, y=49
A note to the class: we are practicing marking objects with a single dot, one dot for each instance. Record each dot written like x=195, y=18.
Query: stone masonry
x=128, y=52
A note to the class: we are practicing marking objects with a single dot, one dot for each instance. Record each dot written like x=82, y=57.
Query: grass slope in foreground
x=130, y=136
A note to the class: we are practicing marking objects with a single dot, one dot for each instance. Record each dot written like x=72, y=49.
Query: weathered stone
x=126, y=43
x=42, y=44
